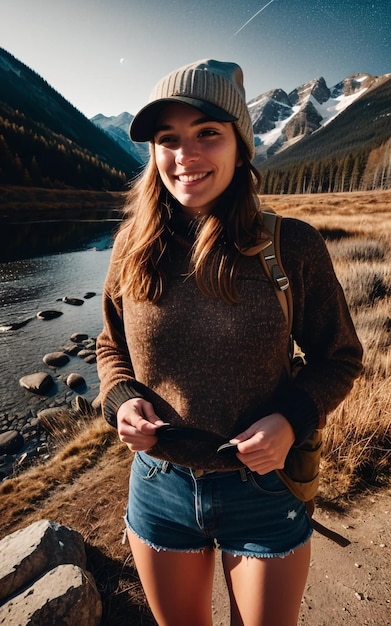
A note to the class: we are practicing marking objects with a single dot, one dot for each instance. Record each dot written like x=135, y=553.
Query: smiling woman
x=195, y=157
x=187, y=313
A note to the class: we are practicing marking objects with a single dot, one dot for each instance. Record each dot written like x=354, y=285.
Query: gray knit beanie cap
x=213, y=87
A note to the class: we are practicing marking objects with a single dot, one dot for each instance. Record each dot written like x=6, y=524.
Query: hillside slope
x=46, y=141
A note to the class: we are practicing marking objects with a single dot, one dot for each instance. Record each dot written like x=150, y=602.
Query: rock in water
x=56, y=359
x=78, y=337
x=48, y=315
x=73, y=301
x=75, y=380
x=14, y=325
x=39, y=383
x=11, y=442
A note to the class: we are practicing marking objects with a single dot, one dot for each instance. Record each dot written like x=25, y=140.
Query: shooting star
x=253, y=17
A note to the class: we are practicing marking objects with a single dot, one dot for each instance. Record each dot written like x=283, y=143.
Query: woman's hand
x=263, y=447
x=137, y=424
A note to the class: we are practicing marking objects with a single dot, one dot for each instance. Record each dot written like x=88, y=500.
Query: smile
x=191, y=178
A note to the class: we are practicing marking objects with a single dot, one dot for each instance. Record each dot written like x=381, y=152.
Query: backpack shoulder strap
x=271, y=261
x=270, y=257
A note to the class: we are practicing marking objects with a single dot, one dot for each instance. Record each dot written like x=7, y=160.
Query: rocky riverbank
x=61, y=406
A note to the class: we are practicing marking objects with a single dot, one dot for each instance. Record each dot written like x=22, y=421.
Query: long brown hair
x=234, y=226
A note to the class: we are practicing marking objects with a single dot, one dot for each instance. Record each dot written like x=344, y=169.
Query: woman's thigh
x=266, y=591
x=178, y=585
x=175, y=519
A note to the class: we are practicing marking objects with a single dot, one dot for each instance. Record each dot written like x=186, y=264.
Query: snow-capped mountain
x=281, y=119
x=117, y=127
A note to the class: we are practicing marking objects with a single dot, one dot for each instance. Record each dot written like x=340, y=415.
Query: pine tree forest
x=31, y=155
x=356, y=171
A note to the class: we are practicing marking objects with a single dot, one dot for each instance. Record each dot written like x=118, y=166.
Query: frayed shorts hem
x=266, y=555
x=239, y=553
x=162, y=548
x=240, y=513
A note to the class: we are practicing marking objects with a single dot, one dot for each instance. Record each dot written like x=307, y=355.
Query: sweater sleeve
x=323, y=328
x=117, y=382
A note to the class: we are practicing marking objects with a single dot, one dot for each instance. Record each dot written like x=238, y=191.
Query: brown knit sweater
x=207, y=364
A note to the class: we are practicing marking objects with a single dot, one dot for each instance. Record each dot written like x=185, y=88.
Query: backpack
x=301, y=471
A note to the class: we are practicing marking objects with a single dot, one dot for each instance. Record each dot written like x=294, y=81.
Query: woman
x=194, y=338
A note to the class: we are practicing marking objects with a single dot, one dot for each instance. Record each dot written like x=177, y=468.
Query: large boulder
x=64, y=595
x=43, y=578
x=28, y=553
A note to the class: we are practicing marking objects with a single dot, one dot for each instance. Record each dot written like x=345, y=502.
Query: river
x=32, y=285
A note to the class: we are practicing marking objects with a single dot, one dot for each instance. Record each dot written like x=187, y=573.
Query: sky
x=104, y=56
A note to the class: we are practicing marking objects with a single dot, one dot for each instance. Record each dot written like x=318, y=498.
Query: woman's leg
x=266, y=591
x=178, y=585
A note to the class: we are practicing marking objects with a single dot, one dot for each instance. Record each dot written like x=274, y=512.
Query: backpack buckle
x=281, y=280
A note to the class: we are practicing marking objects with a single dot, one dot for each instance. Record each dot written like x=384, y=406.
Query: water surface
x=33, y=285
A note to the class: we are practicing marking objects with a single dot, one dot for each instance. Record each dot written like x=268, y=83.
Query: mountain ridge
x=280, y=119
x=42, y=129
x=314, y=138
x=117, y=127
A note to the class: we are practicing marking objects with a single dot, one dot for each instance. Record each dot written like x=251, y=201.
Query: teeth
x=190, y=178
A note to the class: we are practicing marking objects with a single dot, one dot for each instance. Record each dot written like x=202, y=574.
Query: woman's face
x=196, y=157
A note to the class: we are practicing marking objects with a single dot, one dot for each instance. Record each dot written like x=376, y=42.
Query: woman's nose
x=186, y=152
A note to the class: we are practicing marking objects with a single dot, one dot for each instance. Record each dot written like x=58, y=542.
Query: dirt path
x=85, y=487
x=346, y=586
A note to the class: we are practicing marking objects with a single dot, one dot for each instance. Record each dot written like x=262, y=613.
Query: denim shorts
x=240, y=512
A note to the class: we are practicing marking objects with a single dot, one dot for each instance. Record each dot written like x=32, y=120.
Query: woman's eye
x=208, y=132
x=172, y=140
x=165, y=140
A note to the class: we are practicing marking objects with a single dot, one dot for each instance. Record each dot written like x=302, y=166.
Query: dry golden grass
x=357, y=227
x=85, y=485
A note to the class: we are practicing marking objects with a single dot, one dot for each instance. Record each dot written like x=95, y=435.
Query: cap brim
x=143, y=125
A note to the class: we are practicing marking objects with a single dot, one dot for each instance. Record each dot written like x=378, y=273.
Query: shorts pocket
x=145, y=466
x=269, y=483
